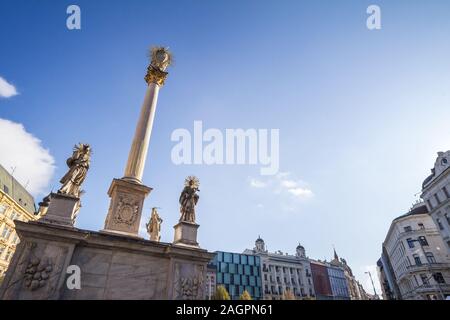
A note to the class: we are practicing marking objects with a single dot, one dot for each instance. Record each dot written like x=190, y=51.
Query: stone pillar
x=128, y=194
x=138, y=152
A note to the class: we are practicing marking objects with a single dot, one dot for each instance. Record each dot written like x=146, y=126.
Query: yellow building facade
x=15, y=204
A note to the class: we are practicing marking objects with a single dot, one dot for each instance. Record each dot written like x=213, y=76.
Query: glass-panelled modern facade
x=338, y=283
x=238, y=272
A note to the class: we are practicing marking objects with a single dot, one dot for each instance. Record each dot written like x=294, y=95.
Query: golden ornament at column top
x=161, y=58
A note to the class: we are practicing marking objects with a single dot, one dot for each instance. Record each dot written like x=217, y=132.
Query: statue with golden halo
x=188, y=199
x=78, y=165
x=161, y=58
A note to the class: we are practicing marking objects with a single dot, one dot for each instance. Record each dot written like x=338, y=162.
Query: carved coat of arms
x=127, y=210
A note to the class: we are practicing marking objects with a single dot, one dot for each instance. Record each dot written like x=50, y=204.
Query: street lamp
x=429, y=266
x=373, y=286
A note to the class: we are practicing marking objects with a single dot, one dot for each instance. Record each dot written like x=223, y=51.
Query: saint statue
x=78, y=165
x=188, y=199
x=154, y=226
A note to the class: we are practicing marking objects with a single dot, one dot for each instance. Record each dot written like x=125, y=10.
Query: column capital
x=155, y=75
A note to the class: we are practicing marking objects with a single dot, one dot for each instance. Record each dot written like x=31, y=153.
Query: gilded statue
x=161, y=58
x=188, y=199
x=78, y=165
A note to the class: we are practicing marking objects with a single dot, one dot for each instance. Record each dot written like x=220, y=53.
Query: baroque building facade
x=283, y=273
x=414, y=261
x=436, y=194
x=15, y=204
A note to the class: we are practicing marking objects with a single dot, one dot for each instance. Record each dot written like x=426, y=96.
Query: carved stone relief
x=127, y=210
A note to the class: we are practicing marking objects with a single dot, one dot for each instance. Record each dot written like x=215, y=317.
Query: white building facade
x=436, y=194
x=418, y=256
x=282, y=273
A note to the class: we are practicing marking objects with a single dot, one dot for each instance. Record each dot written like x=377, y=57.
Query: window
x=265, y=277
x=421, y=226
x=227, y=257
x=223, y=267
x=417, y=260
x=226, y=278
x=10, y=253
x=438, y=277
x=430, y=205
x=247, y=270
x=6, y=189
x=410, y=242
x=430, y=257
x=447, y=218
x=447, y=194
x=2, y=249
x=2, y=208
x=437, y=198
x=14, y=215
x=407, y=228
x=423, y=241
x=439, y=224
x=6, y=232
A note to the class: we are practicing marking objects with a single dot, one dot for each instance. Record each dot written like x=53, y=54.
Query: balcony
x=433, y=288
x=424, y=267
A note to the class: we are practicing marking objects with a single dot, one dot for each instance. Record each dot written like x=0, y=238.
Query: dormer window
x=444, y=161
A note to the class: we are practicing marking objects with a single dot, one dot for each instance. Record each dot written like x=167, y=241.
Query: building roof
x=10, y=186
x=441, y=167
x=418, y=208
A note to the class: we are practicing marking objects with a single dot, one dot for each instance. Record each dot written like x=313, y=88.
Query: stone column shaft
x=138, y=152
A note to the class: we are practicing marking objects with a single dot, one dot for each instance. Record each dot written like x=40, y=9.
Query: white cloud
x=257, y=183
x=288, y=184
x=7, y=90
x=34, y=165
x=296, y=188
x=289, y=190
x=300, y=192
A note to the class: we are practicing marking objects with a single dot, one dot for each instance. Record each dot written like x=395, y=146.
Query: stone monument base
x=186, y=234
x=62, y=210
x=109, y=266
x=127, y=201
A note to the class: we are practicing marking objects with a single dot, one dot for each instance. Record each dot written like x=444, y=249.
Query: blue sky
x=361, y=113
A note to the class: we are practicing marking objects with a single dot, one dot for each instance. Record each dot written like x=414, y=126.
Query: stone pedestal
x=186, y=234
x=112, y=267
x=62, y=210
x=125, y=210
